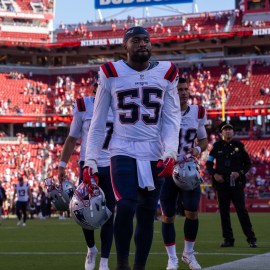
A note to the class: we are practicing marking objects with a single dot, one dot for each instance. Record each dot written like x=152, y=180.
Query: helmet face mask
x=88, y=209
x=186, y=175
x=60, y=194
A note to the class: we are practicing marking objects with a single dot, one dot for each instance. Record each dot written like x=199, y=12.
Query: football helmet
x=88, y=208
x=60, y=194
x=186, y=175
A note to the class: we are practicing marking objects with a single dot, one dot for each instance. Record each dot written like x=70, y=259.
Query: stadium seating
x=24, y=5
x=27, y=37
x=243, y=94
x=29, y=5
x=14, y=90
x=31, y=102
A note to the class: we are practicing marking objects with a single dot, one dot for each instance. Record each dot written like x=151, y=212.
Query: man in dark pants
x=3, y=198
x=232, y=164
x=24, y=196
x=143, y=97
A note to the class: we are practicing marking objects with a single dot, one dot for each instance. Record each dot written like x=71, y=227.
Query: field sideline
x=59, y=245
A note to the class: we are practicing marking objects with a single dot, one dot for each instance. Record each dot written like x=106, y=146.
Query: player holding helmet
x=144, y=101
x=192, y=130
x=82, y=115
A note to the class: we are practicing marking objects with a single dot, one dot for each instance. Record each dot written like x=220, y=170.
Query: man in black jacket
x=232, y=164
x=3, y=197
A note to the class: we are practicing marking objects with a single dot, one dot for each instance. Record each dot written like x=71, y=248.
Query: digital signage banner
x=102, y=4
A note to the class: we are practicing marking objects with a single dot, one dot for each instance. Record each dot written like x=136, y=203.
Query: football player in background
x=192, y=130
x=24, y=196
x=143, y=97
x=82, y=115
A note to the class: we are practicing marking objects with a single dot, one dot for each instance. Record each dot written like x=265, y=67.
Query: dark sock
x=191, y=229
x=168, y=233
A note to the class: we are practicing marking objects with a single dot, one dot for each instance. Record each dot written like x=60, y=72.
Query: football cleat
x=227, y=243
x=103, y=267
x=189, y=259
x=252, y=243
x=19, y=223
x=172, y=264
x=90, y=260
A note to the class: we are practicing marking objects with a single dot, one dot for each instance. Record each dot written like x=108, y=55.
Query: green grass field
x=59, y=244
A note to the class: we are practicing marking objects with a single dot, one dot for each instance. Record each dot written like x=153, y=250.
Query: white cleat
x=24, y=224
x=90, y=260
x=189, y=259
x=103, y=267
x=172, y=264
x=19, y=223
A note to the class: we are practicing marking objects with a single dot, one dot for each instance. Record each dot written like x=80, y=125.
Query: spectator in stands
x=239, y=76
x=217, y=28
x=187, y=28
x=229, y=178
x=264, y=91
x=113, y=27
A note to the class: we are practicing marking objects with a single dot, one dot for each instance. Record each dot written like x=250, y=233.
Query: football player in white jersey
x=82, y=115
x=192, y=130
x=24, y=196
x=144, y=100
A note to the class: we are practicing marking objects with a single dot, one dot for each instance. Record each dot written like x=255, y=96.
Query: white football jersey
x=22, y=192
x=193, y=119
x=82, y=116
x=145, y=106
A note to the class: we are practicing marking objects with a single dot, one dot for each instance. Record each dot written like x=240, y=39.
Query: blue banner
x=102, y=4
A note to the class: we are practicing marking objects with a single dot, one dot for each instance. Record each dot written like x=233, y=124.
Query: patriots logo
x=79, y=215
x=130, y=31
x=70, y=192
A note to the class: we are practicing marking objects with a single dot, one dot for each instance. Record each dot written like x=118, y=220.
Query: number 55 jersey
x=145, y=106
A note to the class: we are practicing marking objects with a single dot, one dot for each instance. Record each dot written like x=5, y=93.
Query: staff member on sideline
x=232, y=164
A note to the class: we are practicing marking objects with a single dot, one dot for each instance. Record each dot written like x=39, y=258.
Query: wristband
x=198, y=148
x=62, y=164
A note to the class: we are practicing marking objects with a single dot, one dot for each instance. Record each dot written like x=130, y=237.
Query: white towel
x=145, y=177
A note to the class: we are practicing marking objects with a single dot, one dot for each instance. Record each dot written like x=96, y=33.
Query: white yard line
x=152, y=253
x=261, y=261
